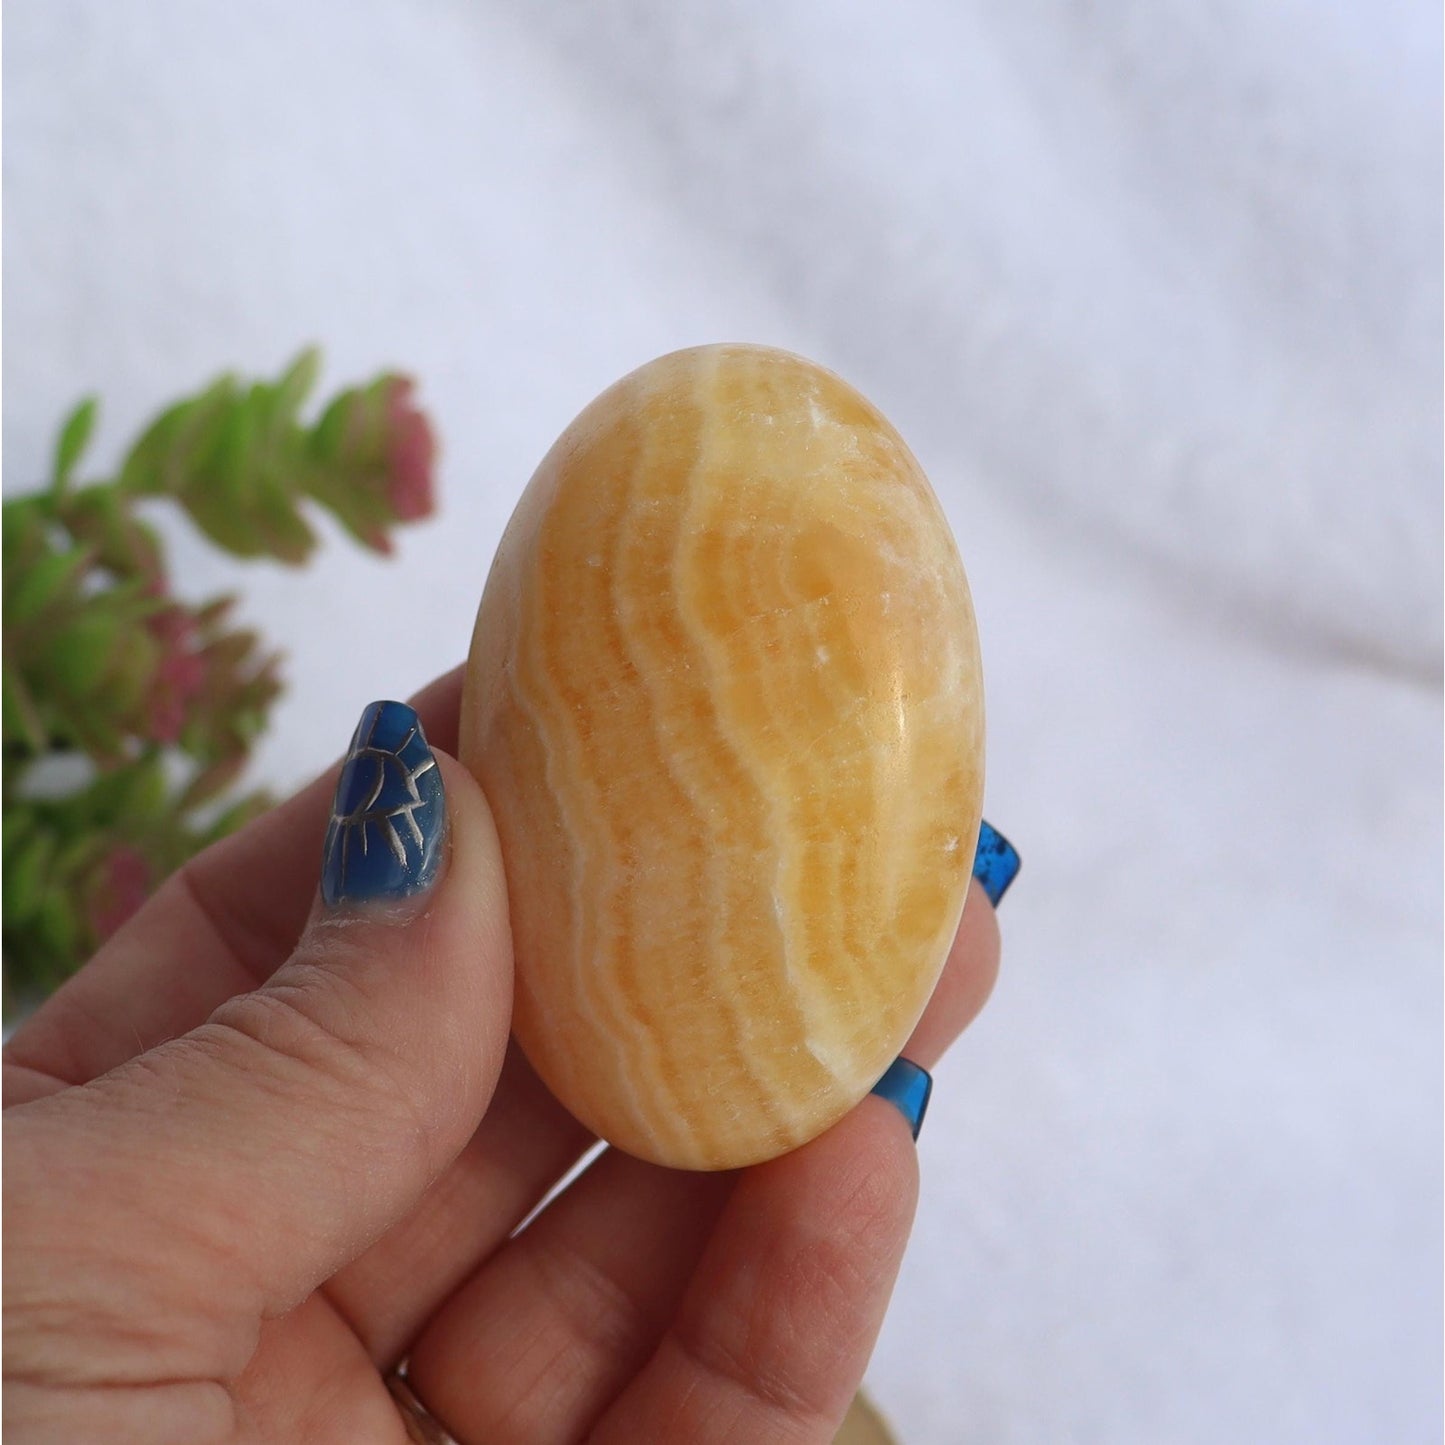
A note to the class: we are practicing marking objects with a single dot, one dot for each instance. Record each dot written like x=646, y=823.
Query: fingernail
x=389, y=818
x=907, y=1088
x=996, y=863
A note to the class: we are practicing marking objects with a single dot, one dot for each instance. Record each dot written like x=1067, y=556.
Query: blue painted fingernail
x=996, y=863
x=389, y=819
x=907, y=1088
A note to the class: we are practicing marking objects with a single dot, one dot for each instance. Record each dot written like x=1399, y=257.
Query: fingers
x=535, y=1346
x=220, y=926
x=223, y=929
x=778, y=1322
x=302, y=1119
x=781, y=1316
x=544, y=1336
x=964, y=987
x=526, y=1142
x=309, y=1380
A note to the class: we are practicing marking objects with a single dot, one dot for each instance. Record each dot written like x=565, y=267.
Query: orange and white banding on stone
x=725, y=698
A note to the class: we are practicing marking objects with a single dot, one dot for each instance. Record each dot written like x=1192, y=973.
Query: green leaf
x=42, y=582
x=229, y=651
x=328, y=436
x=80, y=655
x=164, y=459
x=288, y=538
x=18, y=827
x=103, y=518
x=213, y=611
x=229, y=461
x=20, y=719
x=98, y=734
x=143, y=792
x=25, y=520
x=219, y=491
x=26, y=871
x=74, y=438
x=80, y=843
x=58, y=932
x=298, y=380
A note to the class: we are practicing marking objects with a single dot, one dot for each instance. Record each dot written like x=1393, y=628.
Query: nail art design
x=907, y=1088
x=389, y=817
x=996, y=863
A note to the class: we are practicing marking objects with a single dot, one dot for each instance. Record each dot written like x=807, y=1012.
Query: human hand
x=263, y=1148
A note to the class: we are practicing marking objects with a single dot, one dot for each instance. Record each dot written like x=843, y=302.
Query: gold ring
x=422, y=1426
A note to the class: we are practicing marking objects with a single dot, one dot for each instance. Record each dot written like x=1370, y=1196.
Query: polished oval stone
x=724, y=697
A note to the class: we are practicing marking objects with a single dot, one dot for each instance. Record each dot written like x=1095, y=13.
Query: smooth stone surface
x=724, y=696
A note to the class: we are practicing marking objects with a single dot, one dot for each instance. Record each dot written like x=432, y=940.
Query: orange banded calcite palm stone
x=724, y=698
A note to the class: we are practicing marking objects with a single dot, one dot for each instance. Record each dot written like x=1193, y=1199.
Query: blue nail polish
x=389, y=818
x=907, y=1088
x=996, y=863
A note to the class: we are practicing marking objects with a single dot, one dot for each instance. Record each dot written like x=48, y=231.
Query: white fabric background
x=1154, y=292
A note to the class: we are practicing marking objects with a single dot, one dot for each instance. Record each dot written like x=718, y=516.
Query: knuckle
x=309, y=1037
x=598, y=1310
x=754, y=1383
x=285, y=1024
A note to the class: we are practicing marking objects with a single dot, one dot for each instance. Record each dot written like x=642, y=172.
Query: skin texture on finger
x=779, y=1319
x=221, y=930
x=218, y=927
x=526, y=1142
x=536, y=1345
x=964, y=987
x=192, y=946
x=613, y=1252
x=63, y=1415
x=145, y=998
x=311, y=1381
x=301, y=1120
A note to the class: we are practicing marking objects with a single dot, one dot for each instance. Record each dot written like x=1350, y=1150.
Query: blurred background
x=1154, y=292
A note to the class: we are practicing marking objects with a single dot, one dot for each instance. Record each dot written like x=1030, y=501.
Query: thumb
x=303, y=1119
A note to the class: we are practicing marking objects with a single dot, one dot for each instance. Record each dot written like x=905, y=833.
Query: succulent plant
x=128, y=714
